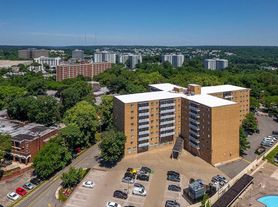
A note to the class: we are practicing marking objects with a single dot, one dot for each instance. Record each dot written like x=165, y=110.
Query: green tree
x=37, y=87
x=83, y=115
x=243, y=141
x=5, y=144
x=105, y=111
x=9, y=93
x=205, y=201
x=250, y=123
x=112, y=146
x=254, y=103
x=72, y=177
x=51, y=158
x=72, y=137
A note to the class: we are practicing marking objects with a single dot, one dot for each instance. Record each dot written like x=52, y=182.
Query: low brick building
x=27, y=139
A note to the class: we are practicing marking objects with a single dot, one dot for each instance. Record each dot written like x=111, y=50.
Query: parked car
x=5, y=163
x=145, y=170
x=131, y=170
x=143, y=177
x=28, y=186
x=35, y=181
x=120, y=194
x=13, y=196
x=139, y=185
x=129, y=180
x=21, y=191
x=139, y=191
x=113, y=204
x=174, y=188
x=88, y=184
x=128, y=174
x=276, y=158
x=172, y=203
x=173, y=173
x=260, y=150
x=219, y=178
x=173, y=178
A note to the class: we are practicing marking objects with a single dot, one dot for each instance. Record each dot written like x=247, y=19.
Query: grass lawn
x=270, y=156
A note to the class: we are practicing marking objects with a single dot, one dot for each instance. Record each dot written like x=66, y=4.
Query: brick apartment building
x=84, y=69
x=27, y=139
x=207, y=119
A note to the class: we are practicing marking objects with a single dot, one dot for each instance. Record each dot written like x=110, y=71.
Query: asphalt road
x=44, y=196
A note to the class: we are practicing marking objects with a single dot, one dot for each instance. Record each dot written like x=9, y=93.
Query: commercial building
x=105, y=56
x=52, y=62
x=27, y=139
x=207, y=119
x=77, y=54
x=90, y=70
x=215, y=64
x=174, y=59
x=31, y=53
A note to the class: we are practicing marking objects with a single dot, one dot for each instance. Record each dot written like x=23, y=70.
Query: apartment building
x=174, y=59
x=148, y=121
x=90, y=70
x=105, y=56
x=52, y=62
x=216, y=64
x=207, y=122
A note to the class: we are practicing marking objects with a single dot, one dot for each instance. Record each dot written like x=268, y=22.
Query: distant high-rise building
x=175, y=60
x=78, y=54
x=32, y=53
x=133, y=60
x=122, y=58
x=215, y=64
x=105, y=56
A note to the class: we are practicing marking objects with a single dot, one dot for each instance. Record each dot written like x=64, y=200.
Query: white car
x=112, y=204
x=88, y=184
x=13, y=196
x=139, y=191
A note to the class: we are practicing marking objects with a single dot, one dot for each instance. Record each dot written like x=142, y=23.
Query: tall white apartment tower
x=221, y=63
x=177, y=60
x=210, y=64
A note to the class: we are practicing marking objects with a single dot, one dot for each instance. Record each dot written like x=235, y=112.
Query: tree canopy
x=5, y=144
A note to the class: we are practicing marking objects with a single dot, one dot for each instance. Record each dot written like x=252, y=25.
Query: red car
x=21, y=191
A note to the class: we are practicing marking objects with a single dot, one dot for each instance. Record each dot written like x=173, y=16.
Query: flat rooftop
x=220, y=89
x=209, y=100
x=165, y=86
x=148, y=96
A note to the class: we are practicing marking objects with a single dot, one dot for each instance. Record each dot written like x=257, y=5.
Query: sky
x=139, y=22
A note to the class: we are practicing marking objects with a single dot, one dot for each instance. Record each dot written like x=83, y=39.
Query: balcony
x=143, y=126
x=167, y=134
x=143, y=108
x=167, y=104
x=197, y=116
x=167, y=128
x=194, y=121
x=143, y=120
x=194, y=127
x=167, y=122
x=143, y=138
x=167, y=111
x=144, y=145
x=192, y=139
x=163, y=116
x=196, y=146
x=144, y=114
x=144, y=132
x=192, y=108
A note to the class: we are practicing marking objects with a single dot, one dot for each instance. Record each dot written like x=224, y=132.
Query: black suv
x=171, y=203
x=143, y=177
x=35, y=181
x=120, y=194
x=145, y=170
x=173, y=173
x=174, y=188
x=174, y=178
x=128, y=174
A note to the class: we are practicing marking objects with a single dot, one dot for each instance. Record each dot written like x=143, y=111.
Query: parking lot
x=109, y=180
x=11, y=185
